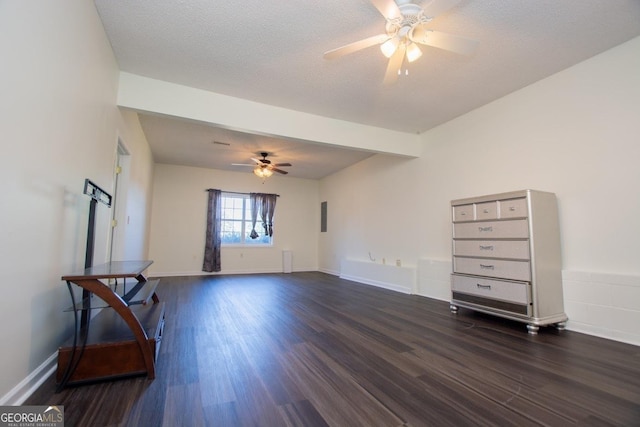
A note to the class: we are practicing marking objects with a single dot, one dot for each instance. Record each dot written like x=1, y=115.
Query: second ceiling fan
x=406, y=28
x=263, y=167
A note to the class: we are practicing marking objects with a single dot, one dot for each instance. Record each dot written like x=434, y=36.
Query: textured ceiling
x=188, y=143
x=271, y=52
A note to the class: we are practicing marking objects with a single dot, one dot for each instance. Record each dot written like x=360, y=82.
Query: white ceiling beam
x=159, y=97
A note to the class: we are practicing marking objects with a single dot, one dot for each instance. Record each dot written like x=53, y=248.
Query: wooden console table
x=124, y=338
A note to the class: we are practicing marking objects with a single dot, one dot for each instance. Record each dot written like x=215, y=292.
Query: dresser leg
x=533, y=329
x=561, y=325
x=453, y=308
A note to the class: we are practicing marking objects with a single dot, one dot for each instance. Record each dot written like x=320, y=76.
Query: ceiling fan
x=406, y=28
x=263, y=167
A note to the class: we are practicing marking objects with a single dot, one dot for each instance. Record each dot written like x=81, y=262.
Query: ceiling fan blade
x=282, y=164
x=395, y=62
x=258, y=161
x=355, y=46
x=279, y=171
x=388, y=8
x=445, y=41
x=436, y=7
x=242, y=164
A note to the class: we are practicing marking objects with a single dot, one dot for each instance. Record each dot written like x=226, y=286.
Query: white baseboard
x=157, y=274
x=605, y=305
x=376, y=283
x=399, y=279
x=30, y=384
x=328, y=271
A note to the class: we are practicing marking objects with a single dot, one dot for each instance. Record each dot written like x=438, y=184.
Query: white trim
x=604, y=333
x=377, y=283
x=604, y=305
x=328, y=271
x=140, y=93
x=157, y=274
x=395, y=278
x=30, y=384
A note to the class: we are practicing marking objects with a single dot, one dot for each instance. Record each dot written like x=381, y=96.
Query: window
x=236, y=222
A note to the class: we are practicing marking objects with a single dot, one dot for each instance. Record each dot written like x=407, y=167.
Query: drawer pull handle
x=485, y=210
x=485, y=228
x=487, y=267
x=463, y=214
x=511, y=208
x=486, y=248
x=483, y=286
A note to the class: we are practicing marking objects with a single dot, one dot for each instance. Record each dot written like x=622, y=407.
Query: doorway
x=119, y=218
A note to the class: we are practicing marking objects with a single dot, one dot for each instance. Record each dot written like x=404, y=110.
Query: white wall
x=372, y=212
x=574, y=133
x=178, y=222
x=136, y=223
x=59, y=125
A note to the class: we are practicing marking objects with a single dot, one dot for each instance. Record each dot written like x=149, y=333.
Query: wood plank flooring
x=310, y=349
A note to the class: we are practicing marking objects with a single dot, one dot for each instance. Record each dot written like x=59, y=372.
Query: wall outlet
x=398, y=263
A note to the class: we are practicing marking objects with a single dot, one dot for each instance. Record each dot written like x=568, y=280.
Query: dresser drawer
x=515, y=270
x=516, y=229
x=514, y=292
x=515, y=249
x=463, y=213
x=514, y=208
x=487, y=210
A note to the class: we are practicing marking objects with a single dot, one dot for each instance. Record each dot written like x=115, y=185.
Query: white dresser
x=506, y=257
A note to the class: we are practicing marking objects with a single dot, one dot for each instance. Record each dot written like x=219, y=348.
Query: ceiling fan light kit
x=262, y=172
x=389, y=47
x=263, y=168
x=413, y=52
x=405, y=28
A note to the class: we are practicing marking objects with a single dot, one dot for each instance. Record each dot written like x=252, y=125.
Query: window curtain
x=255, y=207
x=266, y=205
x=214, y=224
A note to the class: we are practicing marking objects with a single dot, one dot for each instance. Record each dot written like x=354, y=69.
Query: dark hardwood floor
x=310, y=349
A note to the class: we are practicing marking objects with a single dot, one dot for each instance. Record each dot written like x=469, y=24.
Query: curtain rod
x=236, y=192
